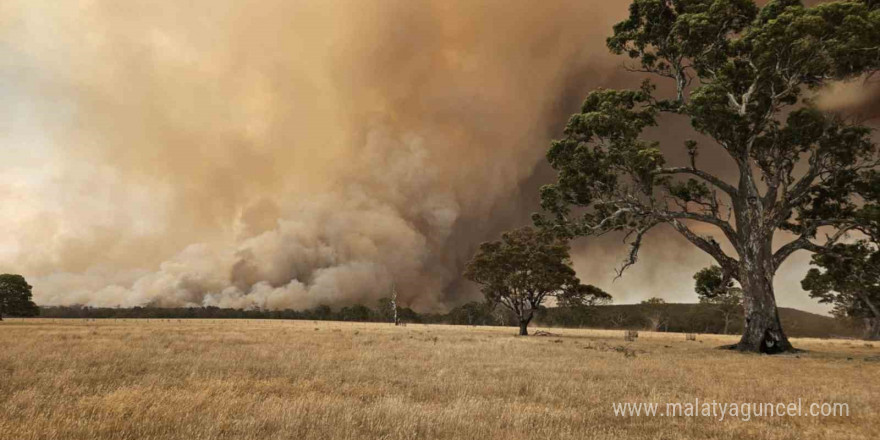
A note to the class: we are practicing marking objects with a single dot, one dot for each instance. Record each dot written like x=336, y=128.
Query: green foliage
x=715, y=288
x=479, y=313
x=711, y=283
x=868, y=214
x=847, y=276
x=356, y=312
x=664, y=35
x=522, y=269
x=385, y=309
x=743, y=75
x=16, y=297
x=583, y=295
x=752, y=63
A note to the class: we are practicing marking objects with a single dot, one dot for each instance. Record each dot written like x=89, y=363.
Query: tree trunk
x=872, y=324
x=726, y=323
x=872, y=330
x=524, y=327
x=394, y=304
x=762, y=330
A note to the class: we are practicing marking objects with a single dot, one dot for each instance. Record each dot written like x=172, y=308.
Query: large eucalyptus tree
x=742, y=75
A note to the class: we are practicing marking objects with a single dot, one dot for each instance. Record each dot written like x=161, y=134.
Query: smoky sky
x=282, y=154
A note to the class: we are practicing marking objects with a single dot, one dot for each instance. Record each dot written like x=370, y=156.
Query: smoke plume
x=287, y=154
x=280, y=154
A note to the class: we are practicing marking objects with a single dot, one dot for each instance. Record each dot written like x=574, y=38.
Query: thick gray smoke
x=285, y=154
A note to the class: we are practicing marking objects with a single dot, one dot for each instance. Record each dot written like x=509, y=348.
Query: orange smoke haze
x=286, y=154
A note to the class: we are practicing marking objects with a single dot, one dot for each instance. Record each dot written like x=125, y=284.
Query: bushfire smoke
x=286, y=154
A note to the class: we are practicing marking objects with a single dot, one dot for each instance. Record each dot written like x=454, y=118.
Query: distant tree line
x=684, y=318
x=473, y=313
x=358, y=313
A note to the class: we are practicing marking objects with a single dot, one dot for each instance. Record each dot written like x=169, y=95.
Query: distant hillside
x=810, y=325
x=696, y=318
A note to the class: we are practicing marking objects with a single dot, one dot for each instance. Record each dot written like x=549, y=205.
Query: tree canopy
x=522, y=269
x=743, y=75
x=847, y=275
x=713, y=287
x=710, y=283
x=583, y=295
x=15, y=297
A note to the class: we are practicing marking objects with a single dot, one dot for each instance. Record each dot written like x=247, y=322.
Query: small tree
x=656, y=313
x=499, y=315
x=521, y=270
x=741, y=75
x=15, y=297
x=848, y=276
x=617, y=319
x=385, y=309
x=394, y=306
x=714, y=288
x=388, y=308
x=474, y=313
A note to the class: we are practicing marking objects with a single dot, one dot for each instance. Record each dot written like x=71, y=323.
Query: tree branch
x=709, y=246
x=633, y=255
x=720, y=184
x=803, y=242
x=725, y=226
x=803, y=185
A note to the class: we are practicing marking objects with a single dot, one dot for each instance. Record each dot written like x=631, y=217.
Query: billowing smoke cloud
x=286, y=154
x=858, y=99
x=280, y=154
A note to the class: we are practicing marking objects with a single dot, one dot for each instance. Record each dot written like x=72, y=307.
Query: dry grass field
x=192, y=380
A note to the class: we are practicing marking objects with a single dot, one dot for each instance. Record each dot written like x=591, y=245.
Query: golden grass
x=201, y=379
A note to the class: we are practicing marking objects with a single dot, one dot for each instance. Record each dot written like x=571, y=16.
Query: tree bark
x=394, y=304
x=872, y=324
x=872, y=330
x=762, y=330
